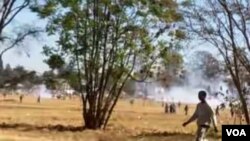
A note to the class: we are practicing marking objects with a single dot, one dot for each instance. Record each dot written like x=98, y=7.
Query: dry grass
x=61, y=121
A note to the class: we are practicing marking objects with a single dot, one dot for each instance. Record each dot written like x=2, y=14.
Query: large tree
x=9, y=9
x=110, y=41
x=224, y=25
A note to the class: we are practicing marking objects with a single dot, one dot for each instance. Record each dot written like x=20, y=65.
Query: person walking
x=204, y=116
x=186, y=110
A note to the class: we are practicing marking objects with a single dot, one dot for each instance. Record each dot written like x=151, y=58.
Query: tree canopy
x=110, y=42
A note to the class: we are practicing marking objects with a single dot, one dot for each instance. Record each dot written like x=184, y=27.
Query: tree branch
x=19, y=39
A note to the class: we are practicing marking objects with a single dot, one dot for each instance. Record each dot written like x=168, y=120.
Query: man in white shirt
x=204, y=115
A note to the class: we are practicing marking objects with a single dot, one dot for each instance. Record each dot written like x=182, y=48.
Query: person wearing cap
x=204, y=116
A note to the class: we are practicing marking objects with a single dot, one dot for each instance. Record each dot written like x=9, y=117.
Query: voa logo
x=236, y=132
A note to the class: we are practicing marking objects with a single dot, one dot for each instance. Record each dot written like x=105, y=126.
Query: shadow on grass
x=162, y=134
x=29, y=127
x=172, y=134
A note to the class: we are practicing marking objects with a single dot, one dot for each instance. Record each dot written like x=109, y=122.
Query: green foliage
x=50, y=80
x=55, y=62
x=10, y=78
x=186, y=3
x=109, y=40
x=48, y=9
x=180, y=34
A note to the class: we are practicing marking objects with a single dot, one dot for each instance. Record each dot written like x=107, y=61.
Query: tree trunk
x=245, y=109
x=91, y=122
x=1, y=63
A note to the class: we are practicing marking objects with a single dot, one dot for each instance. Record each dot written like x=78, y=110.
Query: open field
x=61, y=120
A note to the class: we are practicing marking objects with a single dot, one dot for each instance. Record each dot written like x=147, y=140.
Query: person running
x=204, y=116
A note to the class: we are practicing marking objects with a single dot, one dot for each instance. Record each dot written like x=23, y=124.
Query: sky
x=36, y=59
x=16, y=57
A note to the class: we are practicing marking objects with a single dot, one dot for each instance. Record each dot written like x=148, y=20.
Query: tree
x=55, y=62
x=110, y=41
x=224, y=25
x=206, y=63
x=50, y=80
x=11, y=78
x=9, y=9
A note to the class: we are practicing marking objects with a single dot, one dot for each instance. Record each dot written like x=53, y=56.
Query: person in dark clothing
x=171, y=108
x=38, y=99
x=186, y=110
x=4, y=95
x=166, y=108
x=21, y=98
x=232, y=112
x=217, y=113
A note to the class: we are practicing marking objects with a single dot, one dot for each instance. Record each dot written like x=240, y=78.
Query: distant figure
x=172, y=108
x=21, y=98
x=59, y=97
x=131, y=102
x=232, y=112
x=166, y=108
x=227, y=91
x=204, y=115
x=38, y=99
x=4, y=95
x=186, y=110
x=217, y=111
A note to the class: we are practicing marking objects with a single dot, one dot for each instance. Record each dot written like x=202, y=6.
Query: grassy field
x=61, y=120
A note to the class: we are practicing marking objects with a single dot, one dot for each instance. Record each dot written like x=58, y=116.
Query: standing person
x=39, y=99
x=171, y=108
x=131, y=102
x=4, y=95
x=217, y=111
x=204, y=115
x=186, y=110
x=166, y=108
x=21, y=98
x=231, y=109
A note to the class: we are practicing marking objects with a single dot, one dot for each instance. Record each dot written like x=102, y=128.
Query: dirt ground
x=61, y=120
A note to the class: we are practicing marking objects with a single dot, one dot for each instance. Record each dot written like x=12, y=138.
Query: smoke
x=187, y=91
x=42, y=91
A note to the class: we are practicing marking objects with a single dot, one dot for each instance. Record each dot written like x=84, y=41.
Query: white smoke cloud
x=188, y=91
x=42, y=91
